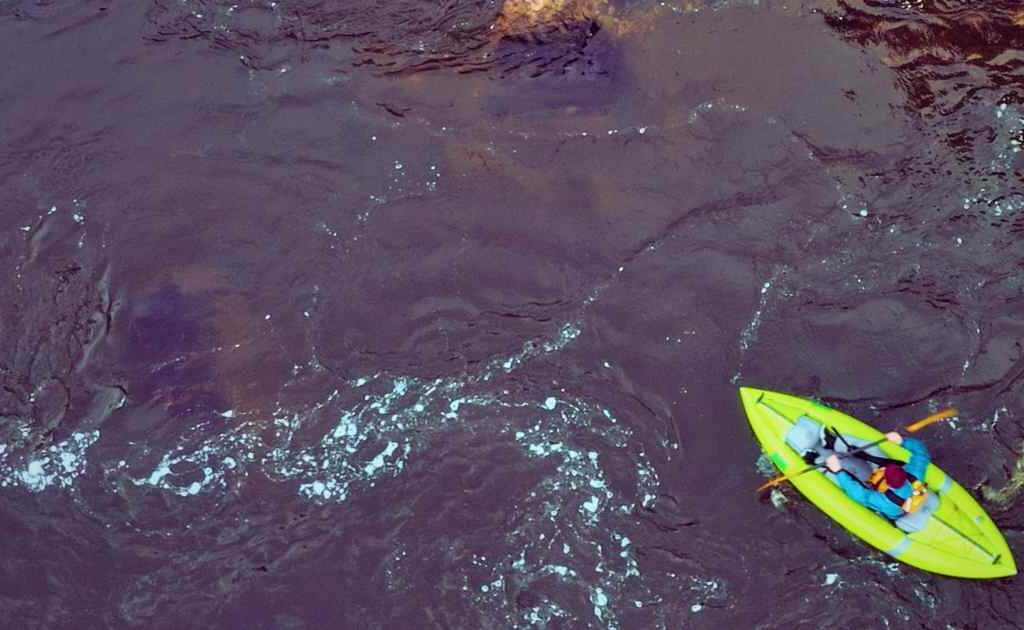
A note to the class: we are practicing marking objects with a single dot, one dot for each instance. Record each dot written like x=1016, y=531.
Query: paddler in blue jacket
x=893, y=490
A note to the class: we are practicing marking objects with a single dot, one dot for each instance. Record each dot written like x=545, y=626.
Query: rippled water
x=411, y=314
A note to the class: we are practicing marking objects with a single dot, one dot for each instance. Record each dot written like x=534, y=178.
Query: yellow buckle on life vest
x=916, y=499
x=877, y=480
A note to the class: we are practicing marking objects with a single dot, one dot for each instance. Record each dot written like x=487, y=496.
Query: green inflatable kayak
x=955, y=538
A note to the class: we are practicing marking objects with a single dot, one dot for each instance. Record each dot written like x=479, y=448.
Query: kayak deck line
x=760, y=401
x=995, y=557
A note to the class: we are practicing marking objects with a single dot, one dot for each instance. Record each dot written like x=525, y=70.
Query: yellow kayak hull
x=959, y=540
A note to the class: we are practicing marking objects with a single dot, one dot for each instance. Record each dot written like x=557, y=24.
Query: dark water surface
x=431, y=314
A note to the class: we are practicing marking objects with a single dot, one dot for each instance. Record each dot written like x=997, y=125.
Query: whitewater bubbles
x=57, y=466
x=381, y=420
x=571, y=526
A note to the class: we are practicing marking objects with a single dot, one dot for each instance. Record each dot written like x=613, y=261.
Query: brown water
x=415, y=314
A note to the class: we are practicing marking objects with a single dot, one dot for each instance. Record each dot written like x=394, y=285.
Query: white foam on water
x=57, y=466
x=778, y=498
x=990, y=424
x=378, y=461
x=575, y=510
x=749, y=333
x=188, y=472
x=600, y=602
x=705, y=589
x=719, y=104
x=851, y=203
x=765, y=467
x=370, y=440
x=1008, y=124
x=571, y=524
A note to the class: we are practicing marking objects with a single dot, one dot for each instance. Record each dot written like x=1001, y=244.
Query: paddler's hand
x=894, y=437
x=833, y=464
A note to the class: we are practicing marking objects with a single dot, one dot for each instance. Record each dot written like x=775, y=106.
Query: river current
x=416, y=314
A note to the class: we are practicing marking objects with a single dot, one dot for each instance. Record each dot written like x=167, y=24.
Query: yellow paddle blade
x=774, y=481
x=932, y=419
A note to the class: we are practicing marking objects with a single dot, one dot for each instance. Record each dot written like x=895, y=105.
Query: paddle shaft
x=910, y=428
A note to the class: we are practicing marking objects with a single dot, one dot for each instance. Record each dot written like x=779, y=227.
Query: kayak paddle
x=910, y=428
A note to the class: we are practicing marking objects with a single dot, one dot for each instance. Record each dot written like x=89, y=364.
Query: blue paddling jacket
x=877, y=501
